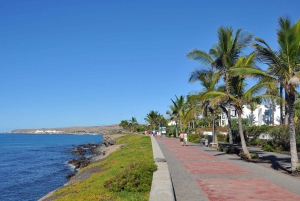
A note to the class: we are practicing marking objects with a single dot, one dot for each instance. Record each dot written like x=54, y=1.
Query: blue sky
x=91, y=63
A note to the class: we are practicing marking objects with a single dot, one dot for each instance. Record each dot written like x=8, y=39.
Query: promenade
x=200, y=173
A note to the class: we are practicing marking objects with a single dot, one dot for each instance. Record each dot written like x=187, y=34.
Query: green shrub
x=220, y=148
x=255, y=131
x=232, y=150
x=256, y=142
x=297, y=170
x=195, y=138
x=136, y=178
x=268, y=146
x=228, y=149
x=221, y=137
x=254, y=155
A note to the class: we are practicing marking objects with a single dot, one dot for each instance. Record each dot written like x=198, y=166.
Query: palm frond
x=201, y=56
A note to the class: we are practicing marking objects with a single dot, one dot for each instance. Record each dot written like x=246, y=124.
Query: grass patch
x=126, y=174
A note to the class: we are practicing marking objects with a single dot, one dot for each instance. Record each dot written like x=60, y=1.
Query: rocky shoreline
x=94, y=152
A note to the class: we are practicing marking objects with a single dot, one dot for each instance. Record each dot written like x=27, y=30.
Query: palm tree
x=252, y=107
x=152, y=118
x=238, y=95
x=284, y=66
x=133, y=123
x=160, y=120
x=177, y=106
x=297, y=108
x=208, y=80
x=273, y=91
x=124, y=124
x=223, y=56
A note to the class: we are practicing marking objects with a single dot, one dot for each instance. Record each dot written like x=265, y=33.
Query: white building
x=262, y=115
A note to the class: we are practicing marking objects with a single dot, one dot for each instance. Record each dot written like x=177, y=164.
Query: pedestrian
x=181, y=138
x=185, y=139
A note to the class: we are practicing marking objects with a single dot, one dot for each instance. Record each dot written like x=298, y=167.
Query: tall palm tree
x=152, y=118
x=176, y=108
x=124, y=124
x=223, y=56
x=284, y=66
x=239, y=95
x=208, y=80
x=252, y=107
x=133, y=123
x=273, y=91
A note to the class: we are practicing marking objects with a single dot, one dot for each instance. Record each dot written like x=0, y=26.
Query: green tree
x=239, y=95
x=208, y=80
x=153, y=118
x=124, y=124
x=252, y=107
x=133, y=124
x=176, y=108
x=223, y=56
x=284, y=66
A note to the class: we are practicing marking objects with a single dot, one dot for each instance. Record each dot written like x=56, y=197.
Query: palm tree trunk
x=281, y=105
x=286, y=109
x=227, y=80
x=176, y=128
x=215, y=134
x=273, y=111
x=180, y=125
x=244, y=146
x=252, y=118
x=293, y=145
x=213, y=125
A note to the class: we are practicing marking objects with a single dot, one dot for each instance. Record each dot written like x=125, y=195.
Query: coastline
x=86, y=173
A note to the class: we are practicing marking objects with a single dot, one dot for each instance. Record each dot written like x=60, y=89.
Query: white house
x=262, y=115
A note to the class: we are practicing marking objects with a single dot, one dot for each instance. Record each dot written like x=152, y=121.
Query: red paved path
x=199, y=162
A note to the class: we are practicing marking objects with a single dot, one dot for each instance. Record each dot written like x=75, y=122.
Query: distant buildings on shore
x=48, y=132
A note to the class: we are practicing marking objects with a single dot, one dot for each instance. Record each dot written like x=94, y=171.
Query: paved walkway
x=200, y=173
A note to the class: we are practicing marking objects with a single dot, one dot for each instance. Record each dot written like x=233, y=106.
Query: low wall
x=162, y=187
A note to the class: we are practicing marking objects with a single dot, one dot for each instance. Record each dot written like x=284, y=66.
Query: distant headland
x=73, y=130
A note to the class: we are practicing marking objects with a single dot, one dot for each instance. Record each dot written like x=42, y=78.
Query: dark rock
x=108, y=141
x=79, y=162
x=79, y=151
x=69, y=176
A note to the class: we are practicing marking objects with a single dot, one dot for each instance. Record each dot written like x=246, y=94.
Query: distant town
x=92, y=130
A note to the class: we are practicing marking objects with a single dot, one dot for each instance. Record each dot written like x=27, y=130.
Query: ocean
x=32, y=165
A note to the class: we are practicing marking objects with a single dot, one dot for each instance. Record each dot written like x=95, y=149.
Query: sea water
x=32, y=165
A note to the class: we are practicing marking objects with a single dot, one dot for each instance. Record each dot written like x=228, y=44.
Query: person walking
x=185, y=138
x=181, y=138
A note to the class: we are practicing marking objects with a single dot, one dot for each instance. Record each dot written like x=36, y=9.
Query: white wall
x=262, y=115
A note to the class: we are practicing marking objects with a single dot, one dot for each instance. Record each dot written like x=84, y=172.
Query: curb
x=162, y=187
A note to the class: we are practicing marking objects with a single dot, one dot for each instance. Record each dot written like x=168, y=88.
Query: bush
x=256, y=142
x=254, y=155
x=221, y=137
x=136, y=178
x=169, y=134
x=268, y=146
x=228, y=149
x=195, y=138
x=233, y=150
x=255, y=131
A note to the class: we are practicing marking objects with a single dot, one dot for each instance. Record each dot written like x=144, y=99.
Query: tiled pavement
x=200, y=173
